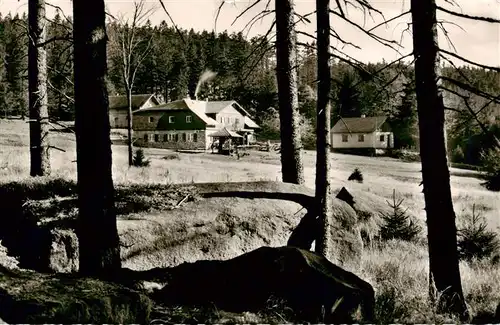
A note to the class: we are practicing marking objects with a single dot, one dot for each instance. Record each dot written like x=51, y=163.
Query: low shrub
x=491, y=166
x=356, y=176
x=405, y=155
x=398, y=225
x=171, y=156
x=139, y=159
x=475, y=241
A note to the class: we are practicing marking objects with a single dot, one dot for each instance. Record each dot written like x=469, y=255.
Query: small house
x=118, y=108
x=371, y=134
x=192, y=124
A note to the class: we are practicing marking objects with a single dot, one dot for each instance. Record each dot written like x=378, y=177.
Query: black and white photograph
x=250, y=161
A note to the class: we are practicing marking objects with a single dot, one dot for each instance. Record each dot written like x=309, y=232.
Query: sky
x=477, y=41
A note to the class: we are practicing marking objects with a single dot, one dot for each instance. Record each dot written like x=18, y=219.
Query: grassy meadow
x=397, y=270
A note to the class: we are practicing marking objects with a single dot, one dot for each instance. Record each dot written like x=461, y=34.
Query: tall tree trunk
x=323, y=142
x=97, y=232
x=286, y=72
x=130, y=130
x=37, y=83
x=442, y=231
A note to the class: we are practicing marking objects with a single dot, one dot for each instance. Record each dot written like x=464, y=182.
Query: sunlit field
x=398, y=271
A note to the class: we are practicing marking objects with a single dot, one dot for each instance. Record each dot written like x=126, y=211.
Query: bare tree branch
x=471, y=89
x=392, y=44
x=385, y=22
x=172, y=20
x=461, y=15
x=497, y=69
x=256, y=2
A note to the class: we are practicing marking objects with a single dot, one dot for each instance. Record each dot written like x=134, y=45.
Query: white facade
x=377, y=140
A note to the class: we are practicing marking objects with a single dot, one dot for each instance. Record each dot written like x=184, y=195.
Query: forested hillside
x=245, y=71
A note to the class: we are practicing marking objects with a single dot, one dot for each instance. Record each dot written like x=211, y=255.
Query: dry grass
x=398, y=272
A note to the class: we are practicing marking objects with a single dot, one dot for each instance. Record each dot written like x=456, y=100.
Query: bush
x=398, y=225
x=356, y=176
x=491, y=166
x=171, y=156
x=404, y=155
x=139, y=160
x=475, y=241
x=457, y=155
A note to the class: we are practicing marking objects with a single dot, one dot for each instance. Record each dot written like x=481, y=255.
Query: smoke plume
x=207, y=75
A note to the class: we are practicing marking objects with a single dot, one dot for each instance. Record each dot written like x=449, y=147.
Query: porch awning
x=225, y=133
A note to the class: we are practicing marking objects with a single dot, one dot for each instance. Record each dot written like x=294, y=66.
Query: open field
x=399, y=272
x=381, y=174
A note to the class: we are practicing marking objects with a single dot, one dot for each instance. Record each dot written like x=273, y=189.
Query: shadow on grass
x=302, y=199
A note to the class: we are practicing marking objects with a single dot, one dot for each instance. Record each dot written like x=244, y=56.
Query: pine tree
x=99, y=245
x=398, y=225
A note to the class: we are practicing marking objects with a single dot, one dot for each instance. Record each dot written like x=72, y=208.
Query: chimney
x=363, y=116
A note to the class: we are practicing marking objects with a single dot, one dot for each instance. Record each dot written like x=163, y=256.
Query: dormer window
x=171, y=119
x=151, y=119
x=189, y=119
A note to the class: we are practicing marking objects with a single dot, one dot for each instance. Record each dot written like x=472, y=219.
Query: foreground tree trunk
x=37, y=83
x=442, y=232
x=97, y=233
x=323, y=145
x=130, y=132
x=286, y=72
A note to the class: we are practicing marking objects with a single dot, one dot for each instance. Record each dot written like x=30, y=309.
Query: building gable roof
x=359, y=124
x=201, y=109
x=180, y=105
x=225, y=133
x=214, y=107
x=251, y=124
x=120, y=102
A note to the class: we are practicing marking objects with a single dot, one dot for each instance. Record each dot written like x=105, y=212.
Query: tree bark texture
x=130, y=130
x=323, y=142
x=286, y=72
x=37, y=84
x=97, y=232
x=442, y=231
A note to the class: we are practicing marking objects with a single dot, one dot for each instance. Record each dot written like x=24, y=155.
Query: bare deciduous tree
x=97, y=232
x=127, y=42
x=37, y=83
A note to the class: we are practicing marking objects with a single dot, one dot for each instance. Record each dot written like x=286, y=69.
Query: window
x=146, y=137
x=171, y=119
x=361, y=138
x=195, y=137
x=116, y=119
x=382, y=138
x=190, y=137
x=157, y=137
x=165, y=137
x=151, y=119
x=345, y=138
x=177, y=137
x=189, y=119
x=184, y=137
x=237, y=121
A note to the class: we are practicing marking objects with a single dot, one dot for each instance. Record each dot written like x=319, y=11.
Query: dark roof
x=120, y=102
x=171, y=106
x=359, y=124
x=179, y=105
